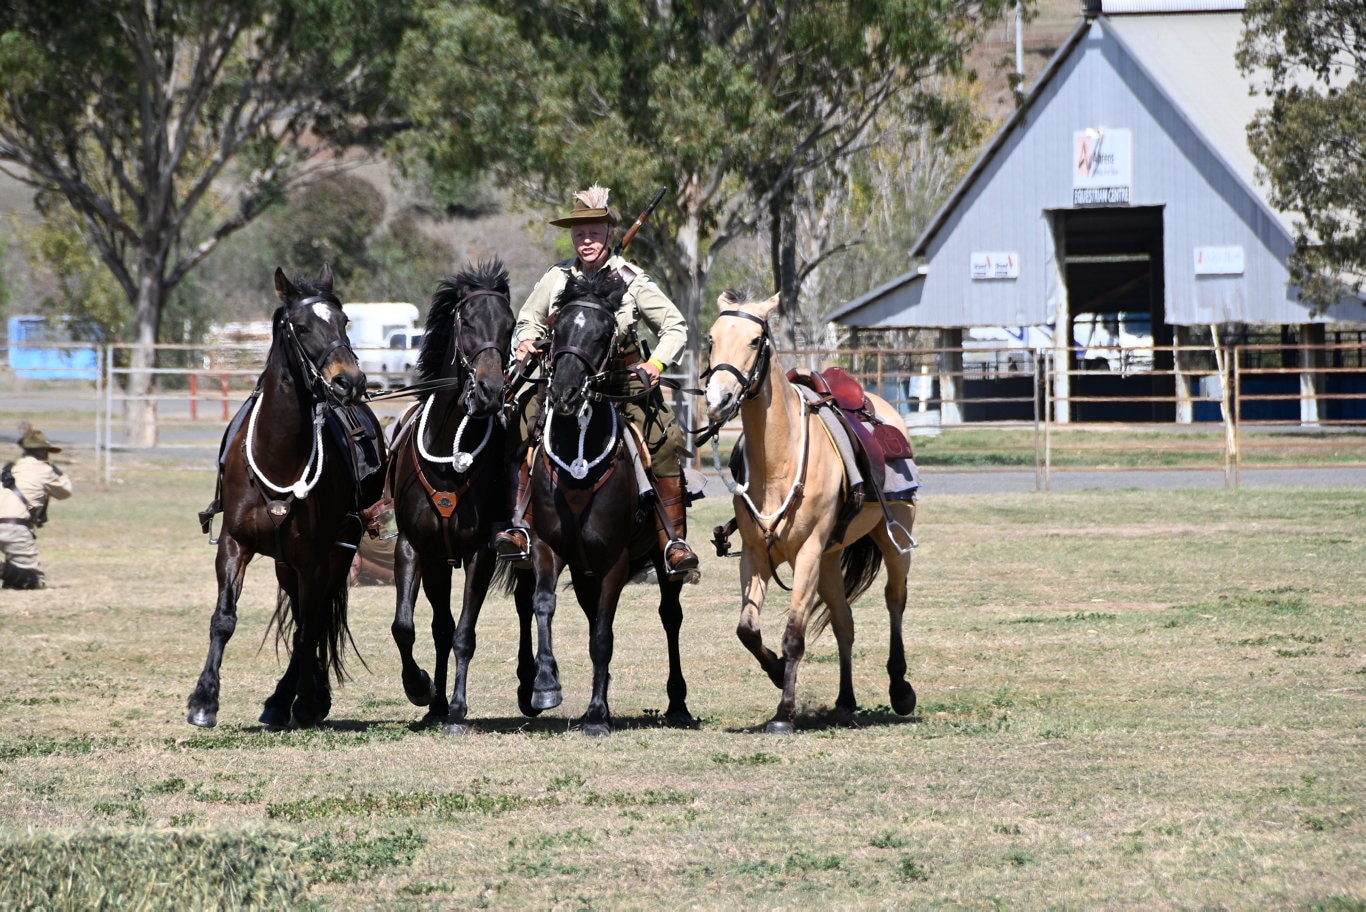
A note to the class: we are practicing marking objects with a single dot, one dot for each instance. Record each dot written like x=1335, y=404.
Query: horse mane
x=486, y=275
x=604, y=286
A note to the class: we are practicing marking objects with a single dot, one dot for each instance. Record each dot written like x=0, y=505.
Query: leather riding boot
x=679, y=557
x=514, y=542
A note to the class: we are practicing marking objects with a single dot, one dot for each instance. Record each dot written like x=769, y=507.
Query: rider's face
x=590, y=242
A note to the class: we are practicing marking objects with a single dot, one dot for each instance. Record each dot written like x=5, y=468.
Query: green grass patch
x=149, y=870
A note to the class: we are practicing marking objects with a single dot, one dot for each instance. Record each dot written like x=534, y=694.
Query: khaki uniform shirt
x=643, y=301
x=37, y=481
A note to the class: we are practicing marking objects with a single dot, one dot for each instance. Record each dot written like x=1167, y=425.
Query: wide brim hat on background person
x=591, y=209
x=30, y=438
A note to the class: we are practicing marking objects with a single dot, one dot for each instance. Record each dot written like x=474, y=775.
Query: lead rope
x=301, y=488
x=458, y=460
x=579, y=469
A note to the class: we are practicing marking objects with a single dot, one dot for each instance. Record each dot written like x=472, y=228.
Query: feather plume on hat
x=595, y=197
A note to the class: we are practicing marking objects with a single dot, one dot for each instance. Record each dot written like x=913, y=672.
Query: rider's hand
x=524, y=348
x=652, y=371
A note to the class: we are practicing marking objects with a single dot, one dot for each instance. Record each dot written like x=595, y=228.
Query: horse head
x=469, y=332
x=740, y=347
x=583, y=336
x=310, y=330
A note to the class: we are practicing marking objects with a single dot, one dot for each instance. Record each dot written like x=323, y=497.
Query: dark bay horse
x=450, y=480
x=787, y=510
x=300, y=462
x=586, y=506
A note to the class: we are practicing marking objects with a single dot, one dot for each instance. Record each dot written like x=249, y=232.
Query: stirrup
x=509, y=548
x=685, y=565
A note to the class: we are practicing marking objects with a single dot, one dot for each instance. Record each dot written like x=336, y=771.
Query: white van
x=386, y=338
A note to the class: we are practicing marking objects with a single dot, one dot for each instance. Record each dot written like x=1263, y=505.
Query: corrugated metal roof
x=1192, y=59
x=1115, y=7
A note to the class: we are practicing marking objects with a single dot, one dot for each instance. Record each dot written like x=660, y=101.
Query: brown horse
x=300, y=462
x=788, y=508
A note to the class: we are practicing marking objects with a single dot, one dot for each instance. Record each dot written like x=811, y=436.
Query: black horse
x=449, y=480
x=587, y=511
x=300, y=463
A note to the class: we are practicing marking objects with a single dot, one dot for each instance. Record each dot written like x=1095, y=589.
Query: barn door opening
x=1113, y=269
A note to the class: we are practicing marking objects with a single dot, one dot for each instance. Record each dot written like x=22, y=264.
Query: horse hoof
x=680, y=718
x=778, y=727
x=274, y=717
x=595, y=729
x=903, y=700
x=419, y=692
x=202, y=718
x=546, y=699
x=524, y=704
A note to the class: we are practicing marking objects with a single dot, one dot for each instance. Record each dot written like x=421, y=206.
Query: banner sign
x=1102, y=166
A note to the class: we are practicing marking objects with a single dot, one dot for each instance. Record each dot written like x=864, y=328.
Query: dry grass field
x=1129, y=700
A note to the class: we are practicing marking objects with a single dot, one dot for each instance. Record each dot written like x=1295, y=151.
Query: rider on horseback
x=591, y=229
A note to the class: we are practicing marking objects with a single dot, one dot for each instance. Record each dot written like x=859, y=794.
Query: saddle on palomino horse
x=876, y=455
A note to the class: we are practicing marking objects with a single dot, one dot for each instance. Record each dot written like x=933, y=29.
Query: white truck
x=385, y=337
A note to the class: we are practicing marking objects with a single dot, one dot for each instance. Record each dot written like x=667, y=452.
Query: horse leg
x=231, y=566
x=830, y=585
x=898, y=567
x=436, y=584
x=805, y=577
x=671, y=616
x=313, y=696
x=276, y=712
x=545, y=691
x=526, y=655
x=598, y=597
x=417, y=684
x=754, y=577
x=479, y=567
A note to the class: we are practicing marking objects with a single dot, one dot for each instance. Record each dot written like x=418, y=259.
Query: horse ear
x=765, y=309
x=283, y=287
x=728, y=300
x=325, y=279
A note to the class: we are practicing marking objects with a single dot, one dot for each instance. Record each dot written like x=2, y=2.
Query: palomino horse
x=794, y=492
x=449, y=480
x=300, y=463
x=586, y=502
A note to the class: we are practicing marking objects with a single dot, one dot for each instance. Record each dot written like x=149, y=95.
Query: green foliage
x=349, y=857
x=1310, y=139
x=142, y=869
x=726, y=107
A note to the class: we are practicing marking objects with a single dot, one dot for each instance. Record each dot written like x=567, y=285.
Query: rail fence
x=1235, y=409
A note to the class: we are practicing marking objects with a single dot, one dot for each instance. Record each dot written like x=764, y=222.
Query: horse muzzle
x=346, y=386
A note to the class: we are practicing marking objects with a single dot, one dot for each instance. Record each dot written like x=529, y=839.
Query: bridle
x=312, y=368
x=459, y=355
x=596, y=364
x=750, y=383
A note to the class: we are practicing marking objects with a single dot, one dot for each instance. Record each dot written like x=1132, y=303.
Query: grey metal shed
x=1125, y=183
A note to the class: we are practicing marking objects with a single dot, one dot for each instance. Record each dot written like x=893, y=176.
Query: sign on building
x=995, y=265
x=1102, y=166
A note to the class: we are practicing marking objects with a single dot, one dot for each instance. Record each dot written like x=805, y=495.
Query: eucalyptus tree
x=164, y=126
x=727, y=105
x=1311, y=141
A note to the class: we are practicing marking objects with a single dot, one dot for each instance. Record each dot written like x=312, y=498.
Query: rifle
x=631, y=232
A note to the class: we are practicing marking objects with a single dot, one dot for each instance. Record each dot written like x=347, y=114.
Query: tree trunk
x=141, y=410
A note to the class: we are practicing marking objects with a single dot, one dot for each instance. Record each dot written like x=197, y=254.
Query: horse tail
x=336, y=632
x=860, y=564
x=504, y=577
